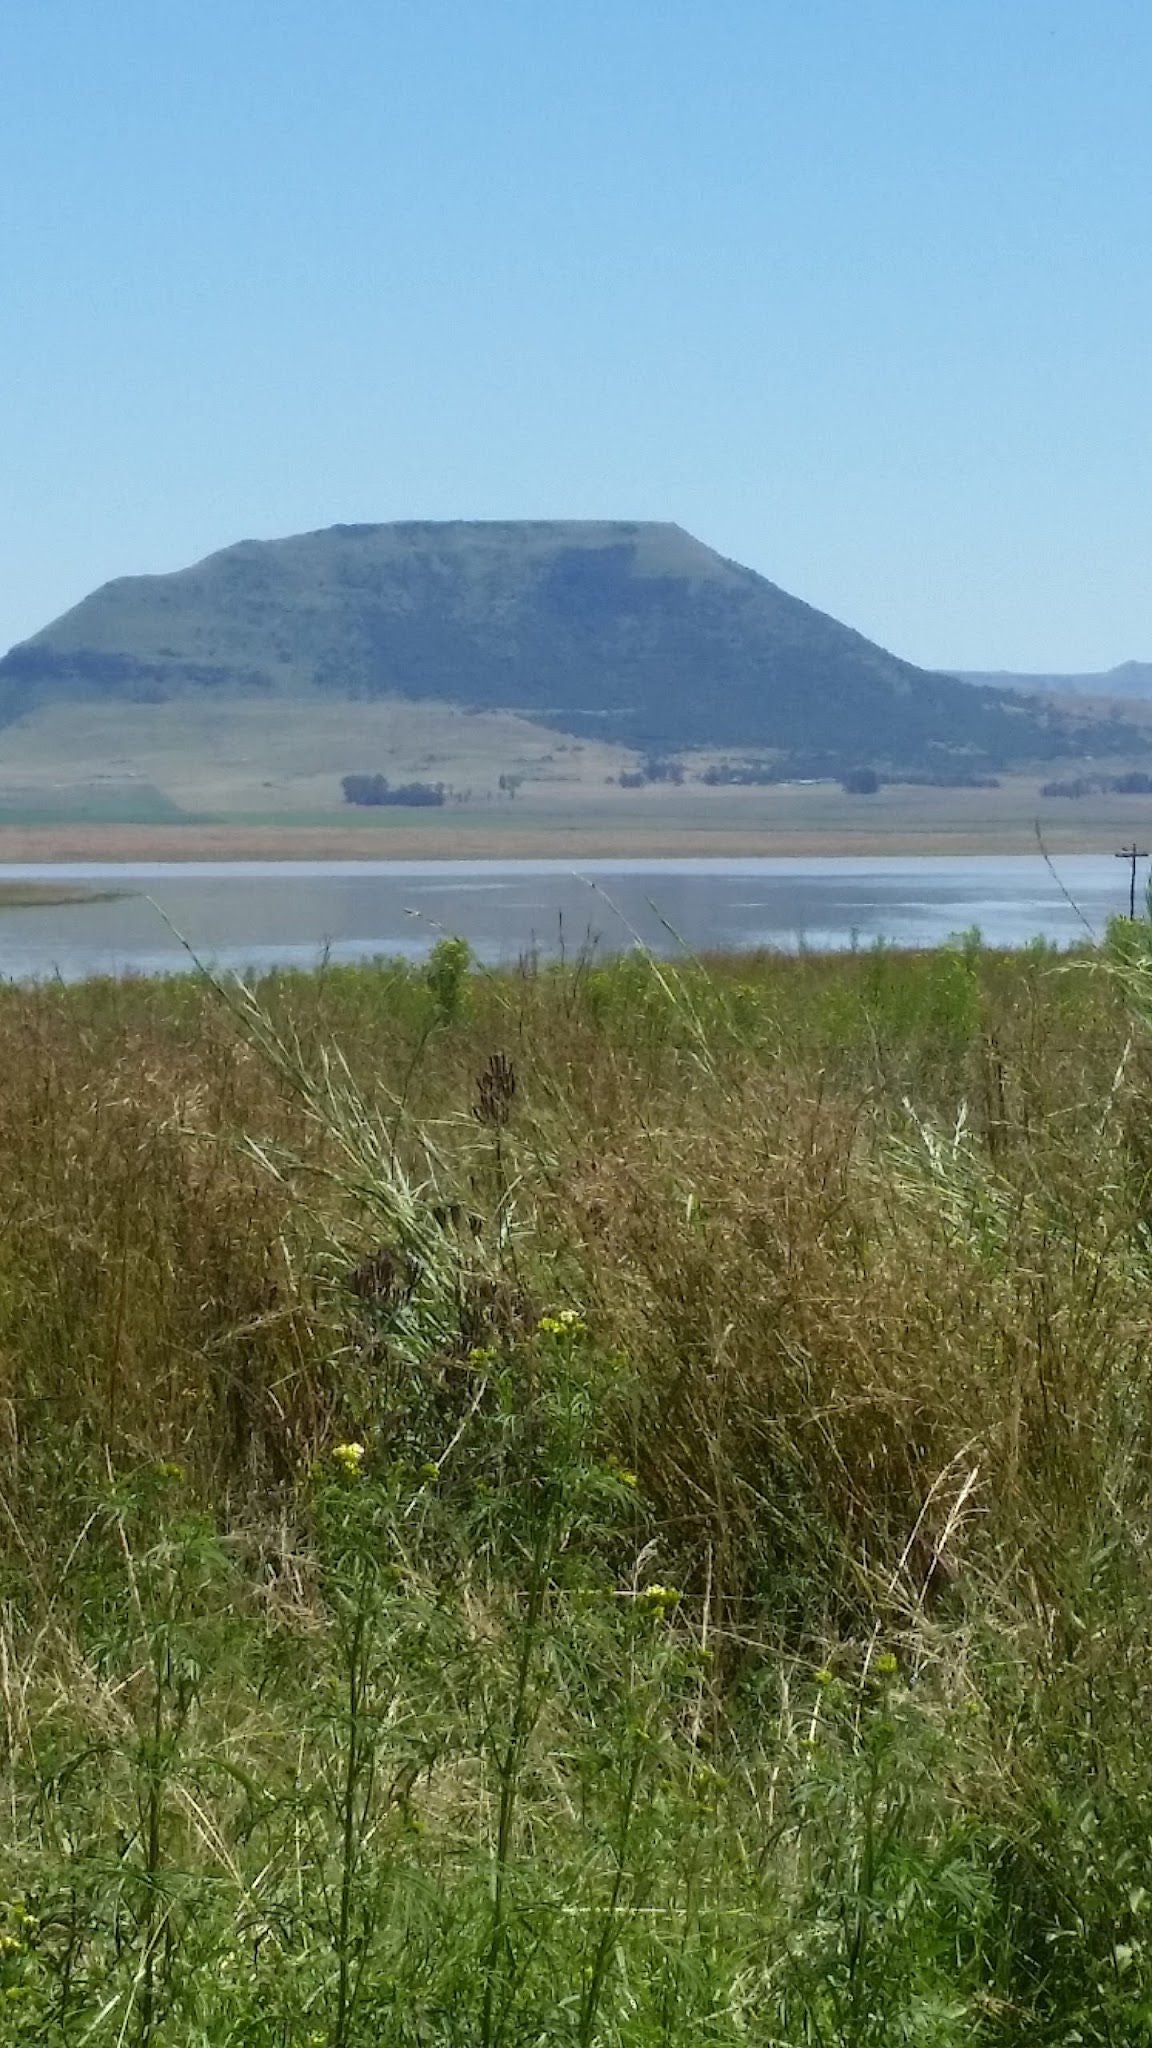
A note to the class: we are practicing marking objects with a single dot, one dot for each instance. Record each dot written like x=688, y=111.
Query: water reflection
x=291, y=913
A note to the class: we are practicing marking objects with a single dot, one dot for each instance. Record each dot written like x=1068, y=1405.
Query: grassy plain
x=607, y=1505
x=202, y=777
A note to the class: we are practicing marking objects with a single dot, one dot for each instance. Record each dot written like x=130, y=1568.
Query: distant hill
x=629, y=632
x=1131, y=679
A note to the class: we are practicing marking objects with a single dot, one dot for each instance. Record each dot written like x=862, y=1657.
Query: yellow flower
x=349, y=1458
x=567, y=1322
x=659, y=1599
x=886, y=1665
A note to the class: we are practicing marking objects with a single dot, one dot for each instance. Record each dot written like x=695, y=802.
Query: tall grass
x=600, y=1505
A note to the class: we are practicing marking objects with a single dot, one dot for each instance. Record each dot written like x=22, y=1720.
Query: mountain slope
x=632, y=632
x=1131, y=679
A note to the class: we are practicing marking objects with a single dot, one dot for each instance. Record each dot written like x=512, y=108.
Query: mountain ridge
x=1132, y=679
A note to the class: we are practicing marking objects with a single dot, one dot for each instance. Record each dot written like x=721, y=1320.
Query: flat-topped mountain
x=629, y=631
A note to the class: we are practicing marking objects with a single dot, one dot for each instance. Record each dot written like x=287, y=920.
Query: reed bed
x=605, y=1504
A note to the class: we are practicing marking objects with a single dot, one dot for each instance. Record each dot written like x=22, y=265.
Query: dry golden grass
x=600, y=1505
x=756, y=1177
x=239, y=777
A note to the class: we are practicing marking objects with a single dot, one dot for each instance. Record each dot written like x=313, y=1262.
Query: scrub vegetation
x=601, y=1505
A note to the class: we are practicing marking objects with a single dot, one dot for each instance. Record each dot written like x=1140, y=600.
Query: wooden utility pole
x=1132, y=854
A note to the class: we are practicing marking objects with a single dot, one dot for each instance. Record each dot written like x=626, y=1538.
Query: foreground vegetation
x=601, y=1505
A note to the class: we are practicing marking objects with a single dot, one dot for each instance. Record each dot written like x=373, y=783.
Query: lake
x=257, y=914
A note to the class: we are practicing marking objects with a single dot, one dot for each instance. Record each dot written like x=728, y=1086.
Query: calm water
x=291, y=913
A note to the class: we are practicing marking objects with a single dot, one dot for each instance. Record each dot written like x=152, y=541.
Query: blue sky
x=860, y=291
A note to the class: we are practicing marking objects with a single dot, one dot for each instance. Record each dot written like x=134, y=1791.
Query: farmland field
x=206, y=776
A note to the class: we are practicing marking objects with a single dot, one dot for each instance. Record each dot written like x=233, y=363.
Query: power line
x=1132, y=854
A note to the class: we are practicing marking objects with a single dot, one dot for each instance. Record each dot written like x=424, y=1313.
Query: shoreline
x=45, y=844
x=52, y=895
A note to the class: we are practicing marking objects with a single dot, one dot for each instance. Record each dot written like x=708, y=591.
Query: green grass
x=607, y=1505
x=94, y=803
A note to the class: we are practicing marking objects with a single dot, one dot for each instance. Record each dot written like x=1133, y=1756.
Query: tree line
x=376, y=789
